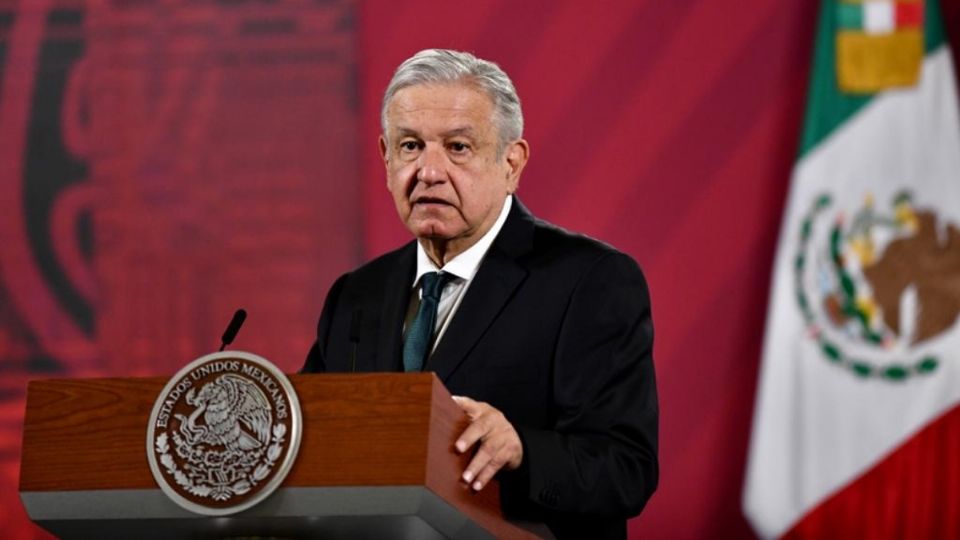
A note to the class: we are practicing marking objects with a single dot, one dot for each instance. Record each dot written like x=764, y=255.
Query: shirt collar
x=466, y=264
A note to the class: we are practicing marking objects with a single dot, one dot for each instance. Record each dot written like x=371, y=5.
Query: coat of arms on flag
x=879, y=44
x=878, y=286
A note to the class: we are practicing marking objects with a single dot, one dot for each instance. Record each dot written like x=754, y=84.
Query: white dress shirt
x=464, y=266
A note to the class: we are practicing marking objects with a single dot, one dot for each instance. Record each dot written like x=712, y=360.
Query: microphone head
x=231, y=332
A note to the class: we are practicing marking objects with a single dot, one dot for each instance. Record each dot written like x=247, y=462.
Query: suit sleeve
x=600, y=458
x=315, y=362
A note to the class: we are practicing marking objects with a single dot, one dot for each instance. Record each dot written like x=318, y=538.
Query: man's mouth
x=430, y=200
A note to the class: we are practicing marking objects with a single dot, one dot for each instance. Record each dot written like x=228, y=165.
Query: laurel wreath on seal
x=221, y=492
x=862, y=368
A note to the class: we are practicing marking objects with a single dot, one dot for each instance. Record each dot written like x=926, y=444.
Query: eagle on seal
x=236, y=414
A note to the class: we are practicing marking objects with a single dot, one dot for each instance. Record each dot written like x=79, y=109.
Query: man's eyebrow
x=467, y=130
x=460, y=131
x=407, y=132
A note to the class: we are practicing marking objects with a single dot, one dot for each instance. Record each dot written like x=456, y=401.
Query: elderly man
x=545, y=336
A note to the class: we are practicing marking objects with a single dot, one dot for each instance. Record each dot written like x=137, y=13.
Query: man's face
x=440, y=152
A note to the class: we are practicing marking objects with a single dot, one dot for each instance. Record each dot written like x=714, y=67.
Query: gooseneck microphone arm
x=355, y=338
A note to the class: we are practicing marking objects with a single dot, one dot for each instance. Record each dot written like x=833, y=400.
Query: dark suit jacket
x=555, y=332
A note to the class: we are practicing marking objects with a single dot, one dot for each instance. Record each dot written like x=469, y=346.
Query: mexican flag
x=856, y=431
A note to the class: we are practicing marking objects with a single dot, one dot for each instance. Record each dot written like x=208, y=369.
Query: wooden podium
x=376, y=461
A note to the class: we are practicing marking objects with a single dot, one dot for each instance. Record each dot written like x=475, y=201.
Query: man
x=544, y=336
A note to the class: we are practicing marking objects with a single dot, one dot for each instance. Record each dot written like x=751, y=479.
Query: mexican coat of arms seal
x=224, y=433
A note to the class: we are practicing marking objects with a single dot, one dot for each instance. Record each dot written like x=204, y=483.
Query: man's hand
x=499, y=443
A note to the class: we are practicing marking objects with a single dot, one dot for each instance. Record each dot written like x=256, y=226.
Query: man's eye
x=409, y=146
x=459, y=147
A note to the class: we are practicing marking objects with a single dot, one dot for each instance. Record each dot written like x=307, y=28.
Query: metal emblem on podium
x=224, y=433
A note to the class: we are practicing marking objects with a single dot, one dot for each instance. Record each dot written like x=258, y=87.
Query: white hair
x=442, y=66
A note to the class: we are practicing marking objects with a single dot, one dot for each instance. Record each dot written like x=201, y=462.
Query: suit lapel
x=492, y=287
x=397, y=299
x=499, y=276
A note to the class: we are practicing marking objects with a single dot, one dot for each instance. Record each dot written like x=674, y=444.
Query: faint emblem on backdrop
x=48, y=291
x=224, y=433
x=139, y=139
x=879, y=285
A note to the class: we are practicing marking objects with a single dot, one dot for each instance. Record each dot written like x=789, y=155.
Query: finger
x=507, y=452
x=486, y=474
x=477, y=429
x=479, y=462
x=469, y=406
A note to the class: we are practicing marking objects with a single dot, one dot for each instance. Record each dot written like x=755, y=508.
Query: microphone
x=355, y=337
x=233, y=328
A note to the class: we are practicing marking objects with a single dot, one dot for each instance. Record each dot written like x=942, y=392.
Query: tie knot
x=433, y=284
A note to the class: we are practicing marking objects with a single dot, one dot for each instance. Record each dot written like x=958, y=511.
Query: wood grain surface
x=359, y=430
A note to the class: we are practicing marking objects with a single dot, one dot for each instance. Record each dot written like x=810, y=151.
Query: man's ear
x=383, y=150
x=518, y=152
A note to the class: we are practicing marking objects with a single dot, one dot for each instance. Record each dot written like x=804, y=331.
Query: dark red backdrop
x=166, y=162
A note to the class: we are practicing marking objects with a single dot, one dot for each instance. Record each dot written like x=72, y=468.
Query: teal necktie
x=420, y=333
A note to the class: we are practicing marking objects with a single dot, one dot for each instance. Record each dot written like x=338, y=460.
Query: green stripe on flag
x=850, y=16
x=827, y=107
x=933, y=35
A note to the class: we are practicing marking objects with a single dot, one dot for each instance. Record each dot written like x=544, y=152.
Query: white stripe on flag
x=878, y=17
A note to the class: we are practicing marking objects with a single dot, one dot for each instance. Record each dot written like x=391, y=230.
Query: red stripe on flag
x=909, y=14
x=913, y=493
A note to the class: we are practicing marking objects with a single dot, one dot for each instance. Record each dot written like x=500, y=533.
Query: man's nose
x=431, y=165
